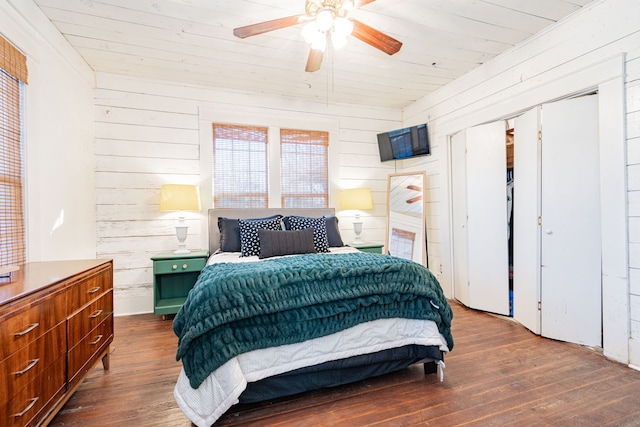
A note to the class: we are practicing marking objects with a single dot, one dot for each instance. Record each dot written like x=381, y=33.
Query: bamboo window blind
x=240, y=166
x=304, y=168
x=13, y=70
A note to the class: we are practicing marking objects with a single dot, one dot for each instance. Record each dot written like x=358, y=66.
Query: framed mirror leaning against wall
x=406, y=232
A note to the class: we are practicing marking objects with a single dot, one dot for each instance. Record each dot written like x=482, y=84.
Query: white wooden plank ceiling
x=191, y=41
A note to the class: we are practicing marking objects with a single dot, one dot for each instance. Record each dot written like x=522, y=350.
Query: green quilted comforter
x=239, y=307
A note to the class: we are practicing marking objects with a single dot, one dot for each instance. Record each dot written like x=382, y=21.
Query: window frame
x=235, y=130
x=291, y=120
x=13, y=67
x=324, y=137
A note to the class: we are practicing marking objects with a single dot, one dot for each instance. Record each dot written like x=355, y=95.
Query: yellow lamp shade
x=178, y=197
x=356, y=199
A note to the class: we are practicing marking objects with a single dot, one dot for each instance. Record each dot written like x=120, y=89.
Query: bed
x=283, y=307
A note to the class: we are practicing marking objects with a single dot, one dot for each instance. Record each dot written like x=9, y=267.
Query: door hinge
x=539, y=220
x=539, y=305
x=540, y=135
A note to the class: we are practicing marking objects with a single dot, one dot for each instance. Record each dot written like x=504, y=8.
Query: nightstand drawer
x=181, y=265
x=173, y=277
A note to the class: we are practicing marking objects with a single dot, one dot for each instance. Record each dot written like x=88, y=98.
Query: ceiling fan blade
x=375, y=38
x=360, y=3
x=314, y=60
x=266, y=26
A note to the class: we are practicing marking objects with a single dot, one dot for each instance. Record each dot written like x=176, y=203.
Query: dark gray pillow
x=319, y=226
x=230, y=232
x=333, y=232
x=277, y=243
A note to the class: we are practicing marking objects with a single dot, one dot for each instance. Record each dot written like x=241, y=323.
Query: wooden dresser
x=56, y=323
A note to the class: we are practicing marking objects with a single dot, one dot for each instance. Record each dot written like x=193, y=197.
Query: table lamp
x=356, y=199
x=178, y=197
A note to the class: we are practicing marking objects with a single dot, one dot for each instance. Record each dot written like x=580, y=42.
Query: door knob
x=548, y=231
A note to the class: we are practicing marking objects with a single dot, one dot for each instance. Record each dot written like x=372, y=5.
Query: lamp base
x=357, y=229
x=181, y=233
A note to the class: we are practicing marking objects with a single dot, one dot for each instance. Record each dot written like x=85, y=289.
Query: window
x=241, y=170
x=13, y=71
x=303, y=165
x=402, y=243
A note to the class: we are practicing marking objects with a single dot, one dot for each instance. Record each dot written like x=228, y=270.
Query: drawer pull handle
x=94, y=290
x=31, y=364
x=96, y=314
x=29, y=406
x=26, y=331
x=97, y=340
x=184, y=266
x=174, y=267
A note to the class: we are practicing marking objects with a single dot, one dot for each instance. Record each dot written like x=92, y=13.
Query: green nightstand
x=173, y=277
x=374, y=248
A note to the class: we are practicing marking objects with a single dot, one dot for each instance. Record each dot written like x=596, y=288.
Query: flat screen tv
x=404, y=143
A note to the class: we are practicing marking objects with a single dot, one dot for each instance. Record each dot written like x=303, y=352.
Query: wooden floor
x=498, y=374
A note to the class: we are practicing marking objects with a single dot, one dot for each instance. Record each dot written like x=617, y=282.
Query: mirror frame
x=395, y=183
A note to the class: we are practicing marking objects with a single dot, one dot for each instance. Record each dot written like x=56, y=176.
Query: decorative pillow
x=230, y=232
x=276, y=243
x=249, y=239
x=333, y=232
x=319, y=225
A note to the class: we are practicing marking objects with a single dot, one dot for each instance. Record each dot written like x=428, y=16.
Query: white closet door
x=487, y=218
x=526, y=210
x=571, y=243
x=459, y=208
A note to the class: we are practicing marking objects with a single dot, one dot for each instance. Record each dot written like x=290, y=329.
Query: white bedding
x=235, y=256
x=221, y=390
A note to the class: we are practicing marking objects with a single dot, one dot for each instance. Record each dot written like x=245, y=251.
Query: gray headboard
x=214, y=214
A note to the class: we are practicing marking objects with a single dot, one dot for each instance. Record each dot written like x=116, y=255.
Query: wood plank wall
x=147, y=134
x=511, y=84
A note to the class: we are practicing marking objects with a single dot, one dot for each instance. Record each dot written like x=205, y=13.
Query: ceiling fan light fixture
x=342, y=27
x=320, y=42
x=340, y=7
x=325, y=18
x=310, y=32
x=327, y=23
x=316, y=38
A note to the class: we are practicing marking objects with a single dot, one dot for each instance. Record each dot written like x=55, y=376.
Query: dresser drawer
x=88, y=287
x=84, y=354
x=28, y=363
x=37, y=397
x=84, y=321
x=24, y=325
x=179, y=265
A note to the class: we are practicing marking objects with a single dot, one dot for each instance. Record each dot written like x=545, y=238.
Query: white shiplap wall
x=147, y=134
x=602, y=36
x=58, y=137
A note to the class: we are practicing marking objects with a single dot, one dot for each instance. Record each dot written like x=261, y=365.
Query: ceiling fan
x=326, y=20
